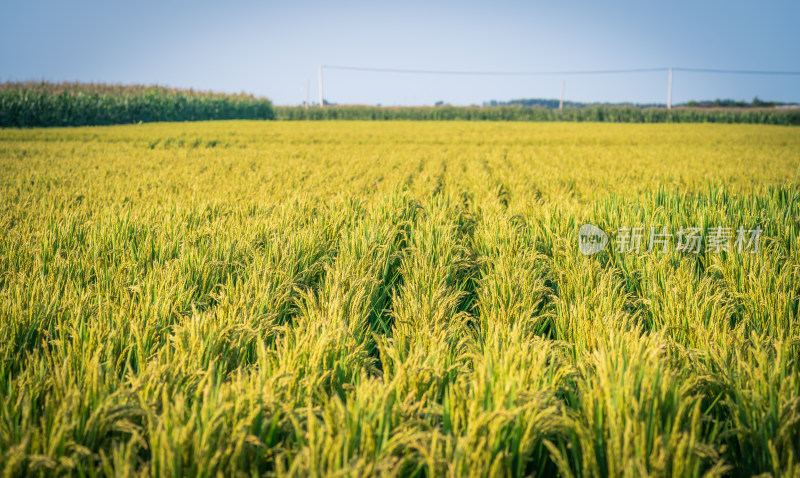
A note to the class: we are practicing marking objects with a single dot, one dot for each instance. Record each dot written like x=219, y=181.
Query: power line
x=554, y=73
x=549, y=73
x=494, y=73
x=737, y=72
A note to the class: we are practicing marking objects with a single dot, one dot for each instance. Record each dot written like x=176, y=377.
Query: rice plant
x=249, y=298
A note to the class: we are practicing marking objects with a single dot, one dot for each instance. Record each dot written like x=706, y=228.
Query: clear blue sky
x=271, y=49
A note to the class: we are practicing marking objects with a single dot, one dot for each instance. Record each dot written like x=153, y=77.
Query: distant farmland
x=591, y=113
x=77, y=104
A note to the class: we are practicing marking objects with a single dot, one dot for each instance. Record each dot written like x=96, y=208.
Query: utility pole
x=308, y=93
x=669, y=91
x=561, y=103
x=321, y=101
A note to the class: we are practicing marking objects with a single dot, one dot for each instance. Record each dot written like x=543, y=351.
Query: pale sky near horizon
x=273, y=49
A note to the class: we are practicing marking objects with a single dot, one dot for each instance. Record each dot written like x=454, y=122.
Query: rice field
x=249, y=298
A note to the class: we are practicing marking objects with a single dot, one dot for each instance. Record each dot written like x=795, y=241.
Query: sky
x=273, y=49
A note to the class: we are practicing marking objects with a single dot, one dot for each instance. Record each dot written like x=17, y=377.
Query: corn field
x=80, y=104
x=31, y=104
x=250, y=298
